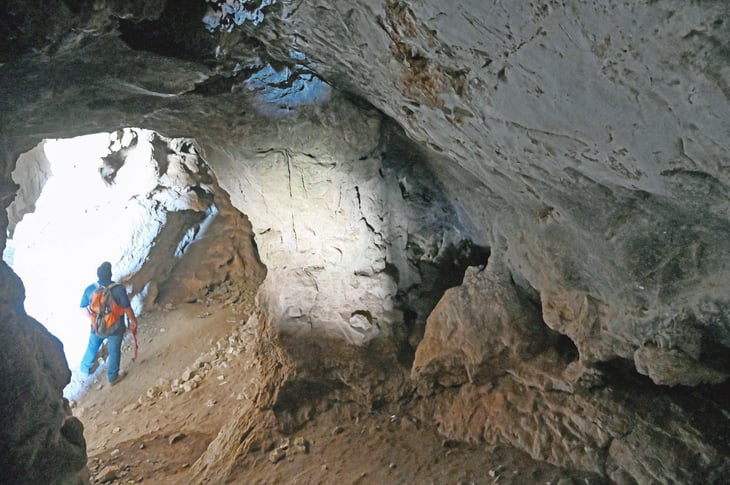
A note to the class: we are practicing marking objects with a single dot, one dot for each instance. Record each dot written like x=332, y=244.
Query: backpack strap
x=110, y=289
x=97, y=286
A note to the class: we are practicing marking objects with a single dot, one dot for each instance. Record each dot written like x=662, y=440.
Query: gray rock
x=584, y=147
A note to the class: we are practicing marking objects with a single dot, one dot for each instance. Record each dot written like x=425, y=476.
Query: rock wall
x=525, y=385
x=170, y=192
x=31, y=173
x=380, y=147
x=584, y=134
x=41, y=441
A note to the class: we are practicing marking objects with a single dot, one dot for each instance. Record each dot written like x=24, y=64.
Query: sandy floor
x=138, y=431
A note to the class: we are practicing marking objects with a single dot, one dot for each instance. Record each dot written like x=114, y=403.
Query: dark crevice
x=406, y=353
x=26, y=26
x=714, y=355
x=203, y=195
x=118, y=156
x=368, y=316
x=709, y=409
x=452, y=262
x=76, y=6
x=111, y=165
x=438, y=275
x=215, y=85
x=440, y=262
x=379, y=405
x=178, y=32
x=392, y=271
x=298, y=401
x=160, y=151
x=564, y=346
x=706, y=406
x=447, y=269
x=526, y=290
x=295, y=395
x=403, y=189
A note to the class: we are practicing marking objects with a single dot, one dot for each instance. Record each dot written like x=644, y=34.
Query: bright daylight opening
x=87, y=211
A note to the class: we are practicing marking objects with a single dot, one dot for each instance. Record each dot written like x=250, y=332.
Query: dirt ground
x=139, y=431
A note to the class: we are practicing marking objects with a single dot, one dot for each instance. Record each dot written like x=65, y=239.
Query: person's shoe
x=119, y=377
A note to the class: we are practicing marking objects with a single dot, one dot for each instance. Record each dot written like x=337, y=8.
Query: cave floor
x=137, y=434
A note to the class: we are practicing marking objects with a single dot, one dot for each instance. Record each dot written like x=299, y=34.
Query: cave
x=473, y=241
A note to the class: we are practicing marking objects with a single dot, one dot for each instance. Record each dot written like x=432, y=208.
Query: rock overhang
x=584, y=144
x=599, y=140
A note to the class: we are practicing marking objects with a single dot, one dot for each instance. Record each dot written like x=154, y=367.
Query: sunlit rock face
x=379, y=148
x=131, y=197
x=593, y=140
x=357, y=235
x=144, y=200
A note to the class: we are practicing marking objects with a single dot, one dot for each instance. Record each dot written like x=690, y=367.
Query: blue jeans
x=114, y=347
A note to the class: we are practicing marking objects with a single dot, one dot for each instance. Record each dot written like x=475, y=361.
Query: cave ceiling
x=377, y=145
x=584, y=143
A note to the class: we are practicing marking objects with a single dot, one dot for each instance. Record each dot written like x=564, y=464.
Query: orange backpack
x=105, y=311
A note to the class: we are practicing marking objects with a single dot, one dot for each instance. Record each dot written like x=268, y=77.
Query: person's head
x=104, y=271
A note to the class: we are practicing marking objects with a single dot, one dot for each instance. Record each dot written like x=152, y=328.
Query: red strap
x=134, y=334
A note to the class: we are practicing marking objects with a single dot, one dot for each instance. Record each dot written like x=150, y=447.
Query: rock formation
x=573, y=156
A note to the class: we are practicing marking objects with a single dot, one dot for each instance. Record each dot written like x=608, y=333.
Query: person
x=114, y=341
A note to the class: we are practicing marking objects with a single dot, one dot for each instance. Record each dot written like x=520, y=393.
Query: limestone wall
x=583, y=143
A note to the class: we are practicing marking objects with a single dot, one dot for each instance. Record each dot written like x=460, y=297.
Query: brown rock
x=176, y=437
x=277, y=455
x=108, y=473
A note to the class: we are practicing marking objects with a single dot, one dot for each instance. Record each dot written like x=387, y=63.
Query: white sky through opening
x=80, y=221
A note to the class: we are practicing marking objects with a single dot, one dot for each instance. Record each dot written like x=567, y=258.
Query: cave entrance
x=102, y=197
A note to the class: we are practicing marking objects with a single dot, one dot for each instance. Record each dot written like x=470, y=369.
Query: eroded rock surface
x=41, y=441
x=524, y=385
x=378, y=148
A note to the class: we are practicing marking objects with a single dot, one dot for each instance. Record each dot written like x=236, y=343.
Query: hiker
x=112, y=332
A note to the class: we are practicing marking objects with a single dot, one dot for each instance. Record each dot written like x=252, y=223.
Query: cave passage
x=83, y=201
